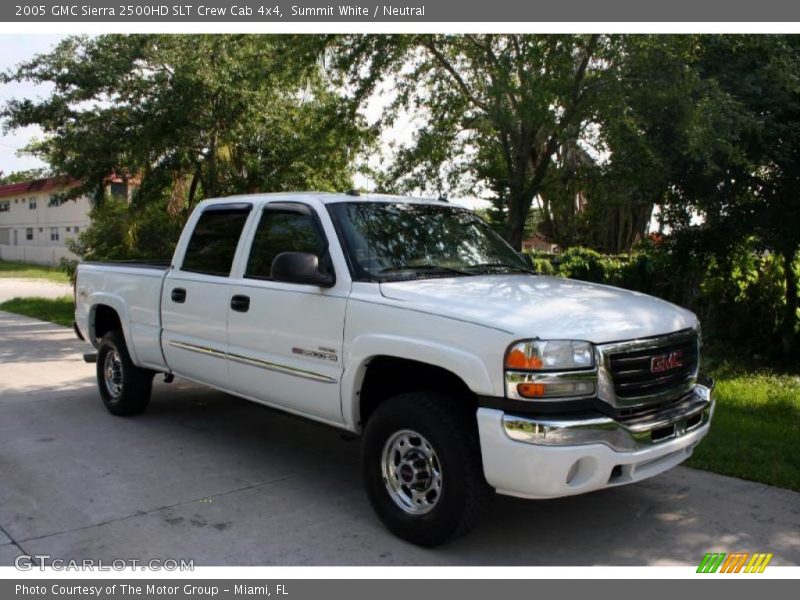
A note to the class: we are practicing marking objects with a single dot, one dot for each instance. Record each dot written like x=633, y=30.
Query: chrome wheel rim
x=112, y=374
x=411, y=472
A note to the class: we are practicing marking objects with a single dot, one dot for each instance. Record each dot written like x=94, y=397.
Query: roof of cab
x=325, y=198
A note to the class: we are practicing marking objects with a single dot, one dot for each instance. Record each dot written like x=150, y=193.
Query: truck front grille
x=655, y=366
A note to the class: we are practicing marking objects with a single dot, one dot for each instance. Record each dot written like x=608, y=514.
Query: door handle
x=179, y=295
x=240, y=303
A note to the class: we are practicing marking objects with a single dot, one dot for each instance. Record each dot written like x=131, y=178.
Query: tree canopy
x=193, y=116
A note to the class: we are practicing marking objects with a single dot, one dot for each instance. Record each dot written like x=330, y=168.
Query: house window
x=76, y=229
x=54, y=234
x=32, y=203
x=29, y=234
x=118, y=191
x=68, y=229
x=5, y=206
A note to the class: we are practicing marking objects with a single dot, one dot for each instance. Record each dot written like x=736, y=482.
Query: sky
x=15, y=49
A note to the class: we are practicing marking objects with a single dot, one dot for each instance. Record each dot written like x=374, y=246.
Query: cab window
x=284, y=230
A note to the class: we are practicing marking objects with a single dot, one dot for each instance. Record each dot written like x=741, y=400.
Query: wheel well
x=105, y=319
x=388, y=376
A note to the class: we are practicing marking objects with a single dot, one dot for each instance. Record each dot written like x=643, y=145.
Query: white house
x=36, y=221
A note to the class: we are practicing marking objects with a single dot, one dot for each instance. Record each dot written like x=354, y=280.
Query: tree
x=647, y=122
x=741, y=170
x=192, y=116
x=496, y=107
x=24, y=175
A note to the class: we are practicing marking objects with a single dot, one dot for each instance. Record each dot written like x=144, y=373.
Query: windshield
x=388, y=241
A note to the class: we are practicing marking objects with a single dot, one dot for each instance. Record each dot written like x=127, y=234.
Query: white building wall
x=40, y=234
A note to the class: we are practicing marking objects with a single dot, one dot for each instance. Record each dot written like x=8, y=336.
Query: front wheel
x=422, y=468
x=124, y=387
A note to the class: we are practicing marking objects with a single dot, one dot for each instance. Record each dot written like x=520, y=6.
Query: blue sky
x=13, y=50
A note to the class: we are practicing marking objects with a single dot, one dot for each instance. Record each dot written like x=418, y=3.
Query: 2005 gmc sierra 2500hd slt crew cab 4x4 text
x=411, y=323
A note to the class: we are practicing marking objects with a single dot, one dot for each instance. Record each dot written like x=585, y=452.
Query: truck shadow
x=671, y=519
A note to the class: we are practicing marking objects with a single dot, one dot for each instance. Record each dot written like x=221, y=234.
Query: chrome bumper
x=676, y=421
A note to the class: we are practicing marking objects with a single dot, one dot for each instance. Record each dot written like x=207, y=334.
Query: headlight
x=549, y=355
x=550, y=369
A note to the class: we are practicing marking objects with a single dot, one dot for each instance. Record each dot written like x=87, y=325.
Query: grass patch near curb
x=755, y=432
x=56, y=310
x=28, y=271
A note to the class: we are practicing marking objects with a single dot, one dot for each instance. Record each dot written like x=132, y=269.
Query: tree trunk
x=516, y=222
x=790, y=316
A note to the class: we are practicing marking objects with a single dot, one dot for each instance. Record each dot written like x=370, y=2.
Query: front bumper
x=549, y=457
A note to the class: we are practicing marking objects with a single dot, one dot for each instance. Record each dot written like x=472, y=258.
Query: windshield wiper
x=501, y=266
x=425, y=267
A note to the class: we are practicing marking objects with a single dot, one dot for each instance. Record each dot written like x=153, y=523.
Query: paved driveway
x=11, y=287
x=207, y=476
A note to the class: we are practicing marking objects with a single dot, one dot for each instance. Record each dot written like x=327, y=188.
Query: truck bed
x=133, y=290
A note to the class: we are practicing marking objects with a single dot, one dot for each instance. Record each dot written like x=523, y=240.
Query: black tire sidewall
x=136, y=383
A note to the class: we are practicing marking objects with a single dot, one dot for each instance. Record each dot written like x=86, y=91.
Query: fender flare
x=466, y=366
x=118, y=304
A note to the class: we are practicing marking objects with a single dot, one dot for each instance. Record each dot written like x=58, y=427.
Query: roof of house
x=37, y=185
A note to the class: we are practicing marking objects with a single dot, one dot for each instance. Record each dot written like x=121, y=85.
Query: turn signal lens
x=555, y=389
x=531, y=390
x=517, y=359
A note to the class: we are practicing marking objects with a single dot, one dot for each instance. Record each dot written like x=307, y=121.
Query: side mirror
x=527, y=258
x=300, y=267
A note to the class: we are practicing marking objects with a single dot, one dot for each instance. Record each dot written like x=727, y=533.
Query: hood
x=544, y=307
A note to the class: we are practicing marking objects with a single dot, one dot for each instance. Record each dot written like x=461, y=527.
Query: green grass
x=57, y=310
x=28, y=271
x=755, y=432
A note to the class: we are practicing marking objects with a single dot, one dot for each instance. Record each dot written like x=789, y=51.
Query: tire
x=431, y=489
x=124, y=387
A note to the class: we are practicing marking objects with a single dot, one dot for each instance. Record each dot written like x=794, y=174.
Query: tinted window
x=213, y=243
x=283, y=230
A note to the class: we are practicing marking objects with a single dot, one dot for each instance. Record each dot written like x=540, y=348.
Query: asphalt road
x=206, y=476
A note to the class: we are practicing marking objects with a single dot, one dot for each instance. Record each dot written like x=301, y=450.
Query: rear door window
x=214, y=240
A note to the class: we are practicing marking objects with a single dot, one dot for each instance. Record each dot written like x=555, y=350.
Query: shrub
x=739, y=298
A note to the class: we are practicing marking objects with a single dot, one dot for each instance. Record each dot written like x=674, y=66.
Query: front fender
x=469, y=367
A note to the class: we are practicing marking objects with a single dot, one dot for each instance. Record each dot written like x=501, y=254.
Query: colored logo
x=735, y=562
x=666, y=362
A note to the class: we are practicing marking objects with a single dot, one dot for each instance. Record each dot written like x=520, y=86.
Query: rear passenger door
x=285, y=339
x=196, y=296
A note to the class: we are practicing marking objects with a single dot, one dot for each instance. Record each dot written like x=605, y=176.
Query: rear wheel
x=124, y=387
x=422, y=468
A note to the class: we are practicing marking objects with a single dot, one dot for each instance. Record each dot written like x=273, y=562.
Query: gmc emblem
x=666, y=362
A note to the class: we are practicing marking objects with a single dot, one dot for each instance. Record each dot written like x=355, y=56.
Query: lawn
x=28, y=271
x=755, y=433
x=57, y=310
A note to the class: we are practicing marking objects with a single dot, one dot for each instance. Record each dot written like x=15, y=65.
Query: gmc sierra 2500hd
x=411, y=323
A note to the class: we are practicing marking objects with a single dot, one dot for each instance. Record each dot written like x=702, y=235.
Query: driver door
x=285, y=339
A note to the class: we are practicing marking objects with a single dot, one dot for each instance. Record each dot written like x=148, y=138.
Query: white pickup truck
x=411, y=323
